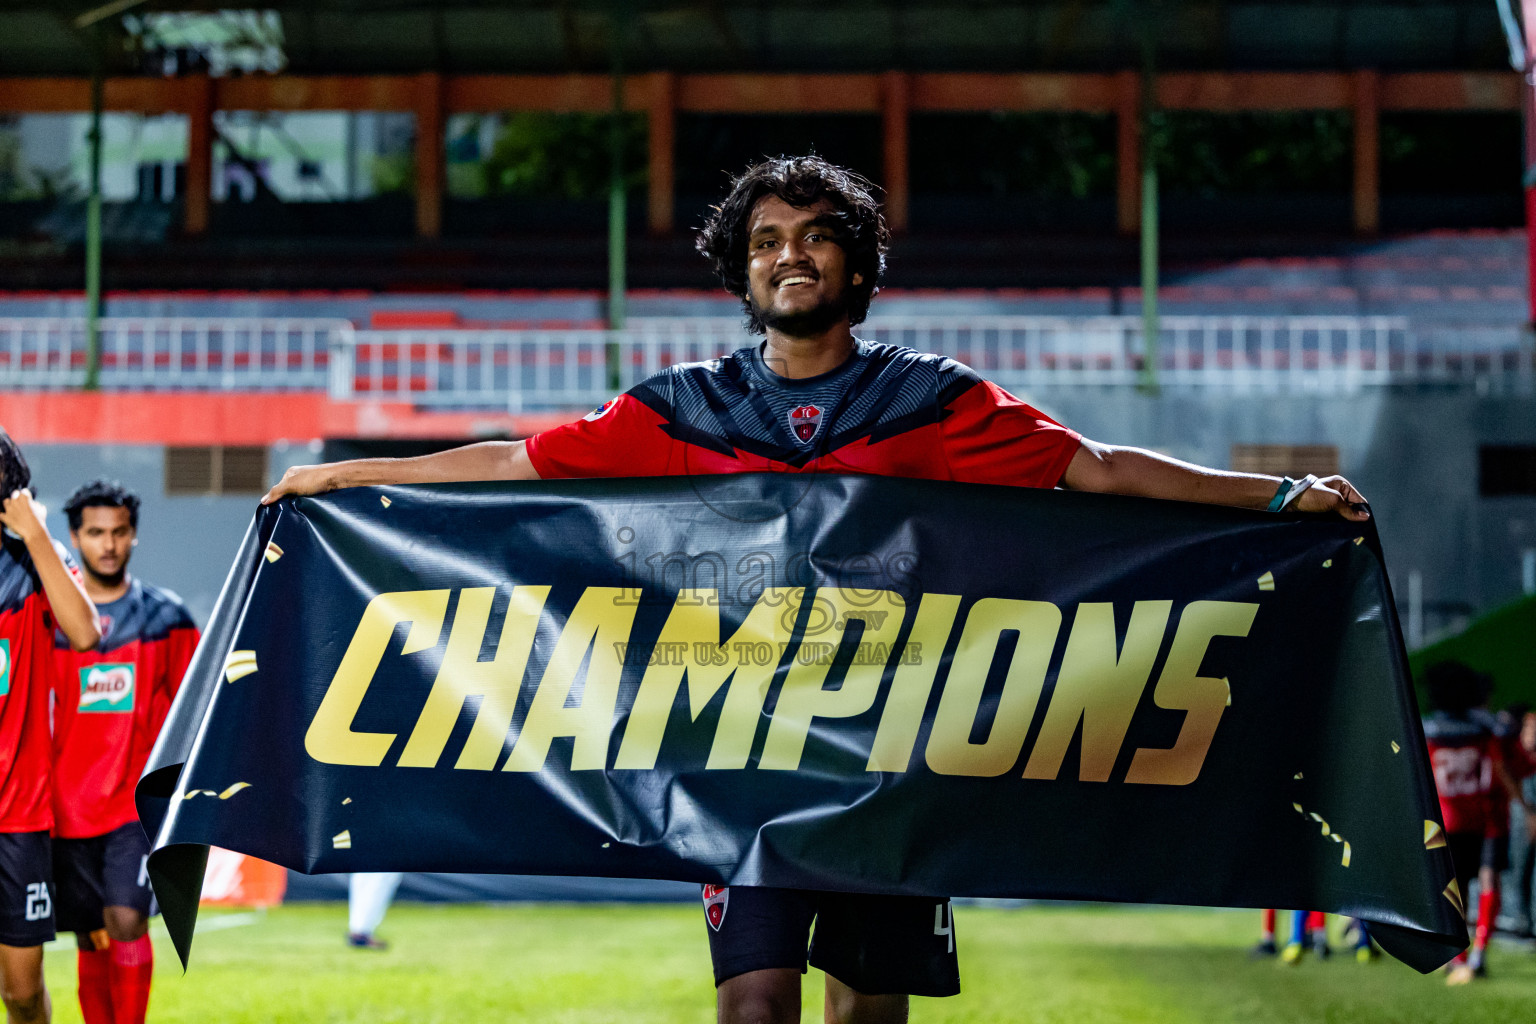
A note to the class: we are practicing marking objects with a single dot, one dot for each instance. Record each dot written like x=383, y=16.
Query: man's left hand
x=24, y=515
x=1334, y=494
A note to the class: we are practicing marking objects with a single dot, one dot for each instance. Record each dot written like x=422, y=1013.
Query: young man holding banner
x=802, y=243
x=40, y=590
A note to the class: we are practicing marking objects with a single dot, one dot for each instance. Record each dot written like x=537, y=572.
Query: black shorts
x=102, y=871
x=1471, y=851
x=26, y=889
x=873, y=944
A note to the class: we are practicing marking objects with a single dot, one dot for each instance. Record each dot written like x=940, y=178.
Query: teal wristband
x=1278, y=501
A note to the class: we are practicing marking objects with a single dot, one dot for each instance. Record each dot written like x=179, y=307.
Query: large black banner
x=836, y=682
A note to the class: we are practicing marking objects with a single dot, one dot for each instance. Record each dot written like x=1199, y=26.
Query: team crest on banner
x=107, y=687
x=805, y=421
x=715, y=899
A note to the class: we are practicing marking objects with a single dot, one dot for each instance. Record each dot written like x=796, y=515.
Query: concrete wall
x=1413, y=452
x=186, y=543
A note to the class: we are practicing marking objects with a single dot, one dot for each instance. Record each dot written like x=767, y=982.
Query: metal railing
x=155, y=353
x=563, y=369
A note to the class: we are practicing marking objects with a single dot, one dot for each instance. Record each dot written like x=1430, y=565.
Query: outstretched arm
x=1111, y=469
x=488, y=460
x=72, y=609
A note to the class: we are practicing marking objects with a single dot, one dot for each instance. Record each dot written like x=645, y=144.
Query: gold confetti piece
x=273, y=551
x=1267, y=581
x=1325, y=828
x=1327, y=563
x=345, y=801
x=342, y=840
x=1297, y=776
x=1315, y=816
x=1434, y=838
x=1345, y=860
x=1337, y=838
x=1229, y=690
x=1298, y=809
x=606, y=845
x=1359, y=541
x=384, y=501
x=1395, y=747
x=232, y=790
x=1453, y=893
x=239, y=664
x=189, y=795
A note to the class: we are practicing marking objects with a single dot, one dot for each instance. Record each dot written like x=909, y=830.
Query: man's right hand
x=301, y=480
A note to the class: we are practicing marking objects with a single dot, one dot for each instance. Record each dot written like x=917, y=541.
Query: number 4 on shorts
x=944, y=923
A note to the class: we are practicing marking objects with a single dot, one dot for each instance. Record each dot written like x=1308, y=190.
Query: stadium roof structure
x=487, y=36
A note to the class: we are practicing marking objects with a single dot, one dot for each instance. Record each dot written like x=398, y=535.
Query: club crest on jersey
x=107, y=687
x=805, y=421
x=106, y=626
x=600, y=411
x=5, y=667
x=715, y=899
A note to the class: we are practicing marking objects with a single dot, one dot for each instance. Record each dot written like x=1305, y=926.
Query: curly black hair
x=1456, y=687
x=799, y=181
x=14, y=471
x=101, y=493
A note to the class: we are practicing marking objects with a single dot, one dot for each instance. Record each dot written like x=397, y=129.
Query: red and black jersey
x=1518, y=764
x=1463, y=752
x=887, y=411
x=26, y=650
x=109, y=705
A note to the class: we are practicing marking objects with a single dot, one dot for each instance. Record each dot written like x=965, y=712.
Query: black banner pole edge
x=176, y=878
x=1405, y=939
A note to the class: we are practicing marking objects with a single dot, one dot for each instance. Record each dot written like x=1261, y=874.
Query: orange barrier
x=235, y=880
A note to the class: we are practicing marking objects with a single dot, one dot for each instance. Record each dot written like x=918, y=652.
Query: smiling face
x=797, y=274
x=105, y=541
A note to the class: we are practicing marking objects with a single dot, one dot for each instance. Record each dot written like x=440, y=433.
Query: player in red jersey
x=38, y=590
x=109, y=705
x=1467, y=759
x=802, y=244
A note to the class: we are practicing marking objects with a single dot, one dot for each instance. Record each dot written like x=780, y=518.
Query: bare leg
x=846, y=1006
x=760, y=997
x=125, y=924
x=21, y=985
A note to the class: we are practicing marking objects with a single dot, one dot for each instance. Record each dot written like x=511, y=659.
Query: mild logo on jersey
x=107, y=687
x=716, y=897
x=805, y=420
x=5, y=667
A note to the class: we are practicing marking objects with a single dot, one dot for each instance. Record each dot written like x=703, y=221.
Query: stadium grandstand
x=1275, y=235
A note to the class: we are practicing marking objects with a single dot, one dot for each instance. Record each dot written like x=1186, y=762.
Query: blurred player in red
x=110, y=704
x=38, y=590
x=1468, y=760
x=1515, y=765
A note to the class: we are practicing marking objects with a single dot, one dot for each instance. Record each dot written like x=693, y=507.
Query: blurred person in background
x=1309, y=931
x=39, y=590
x=1520, y=750
x=368, y=897
x=801, y=243
x=1467, y=759
x=109, y=705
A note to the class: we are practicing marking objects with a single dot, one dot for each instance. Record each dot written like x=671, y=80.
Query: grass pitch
x=574, y=964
